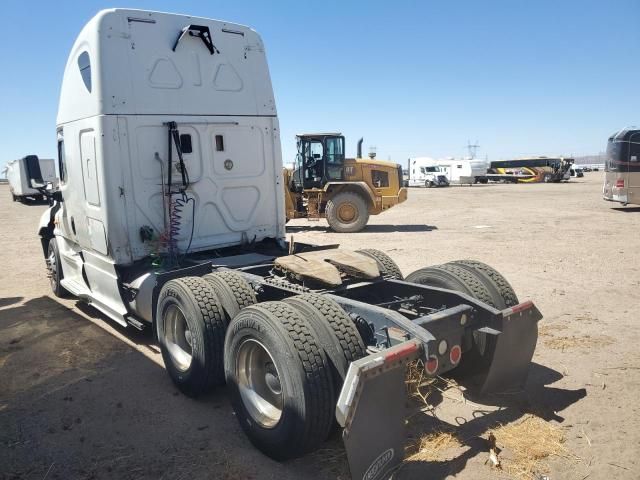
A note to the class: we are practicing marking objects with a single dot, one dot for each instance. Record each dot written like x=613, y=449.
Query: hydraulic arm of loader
x=372, y=404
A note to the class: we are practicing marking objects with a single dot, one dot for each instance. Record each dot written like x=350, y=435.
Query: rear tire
x=54, y=269
x=387, y=266
x=453, y=277
x=279, y=381
x=456, y=277
x=233, y=291
x=504, y=288
x=347, y=212
x=191, y=329
x=335, y=331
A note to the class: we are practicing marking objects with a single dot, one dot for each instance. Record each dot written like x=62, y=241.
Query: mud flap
x=515, y=344
x=372, y=410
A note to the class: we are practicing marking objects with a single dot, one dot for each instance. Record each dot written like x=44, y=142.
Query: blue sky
x=413, y=78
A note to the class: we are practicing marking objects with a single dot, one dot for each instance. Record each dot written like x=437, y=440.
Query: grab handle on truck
x=200, y=31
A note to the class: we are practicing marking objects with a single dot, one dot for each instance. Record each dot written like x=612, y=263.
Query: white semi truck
x=18, y=178
x=170, y=217
x=425, y=172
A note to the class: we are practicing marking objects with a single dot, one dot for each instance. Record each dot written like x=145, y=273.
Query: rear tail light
x=620, y=183
x=431, y=367
x=455, y=354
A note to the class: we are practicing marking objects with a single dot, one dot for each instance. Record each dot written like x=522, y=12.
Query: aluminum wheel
x=52, y=266
x=259, y=383
x=177, y=338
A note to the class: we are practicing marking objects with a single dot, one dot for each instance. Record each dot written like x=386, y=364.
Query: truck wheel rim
x=259, y=383
x=52, y=266
x=178, y=338
x=347, y=212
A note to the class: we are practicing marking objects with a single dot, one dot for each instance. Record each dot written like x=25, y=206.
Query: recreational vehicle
x=463, y=170
x=622, y=177
x=170, y=217
x=18, y=177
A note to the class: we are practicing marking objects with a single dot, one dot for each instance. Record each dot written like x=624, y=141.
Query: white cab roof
x=133, y=69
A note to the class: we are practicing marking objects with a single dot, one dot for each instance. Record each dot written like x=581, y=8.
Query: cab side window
x=62, y=163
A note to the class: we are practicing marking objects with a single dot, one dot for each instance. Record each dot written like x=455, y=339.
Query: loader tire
x=347, y=212
x=388, y=267
x=279, y=380
x=335, y=331
x=233, y=291
x=504, y=288
x=191, y=328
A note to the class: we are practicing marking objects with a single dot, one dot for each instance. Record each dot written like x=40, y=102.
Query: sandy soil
x=82, y=398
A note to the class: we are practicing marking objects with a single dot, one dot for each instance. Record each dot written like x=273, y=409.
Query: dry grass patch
x=584, y=342
x=526, y=446
x=432, y=447
x=548, y=329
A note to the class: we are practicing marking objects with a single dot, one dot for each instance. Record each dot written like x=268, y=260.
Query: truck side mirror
x=32, y=165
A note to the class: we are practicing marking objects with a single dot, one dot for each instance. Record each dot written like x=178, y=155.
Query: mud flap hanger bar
x=374, y=387
x=200, y=31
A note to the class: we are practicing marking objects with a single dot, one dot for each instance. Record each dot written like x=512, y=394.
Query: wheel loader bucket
x=515, y=343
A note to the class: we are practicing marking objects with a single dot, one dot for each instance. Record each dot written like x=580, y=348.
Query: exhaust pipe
x=360, y=148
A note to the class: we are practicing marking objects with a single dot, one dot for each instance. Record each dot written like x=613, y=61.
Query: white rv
x=463, y=170
x=18, y=177
x=426, y=172
x=170, y=217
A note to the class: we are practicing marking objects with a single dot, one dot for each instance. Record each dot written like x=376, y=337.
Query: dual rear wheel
x=283, y=362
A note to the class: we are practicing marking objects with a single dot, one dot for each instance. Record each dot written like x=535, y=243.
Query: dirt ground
x=82, y=398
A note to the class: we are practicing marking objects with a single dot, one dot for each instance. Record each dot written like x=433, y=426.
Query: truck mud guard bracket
x=372, y=410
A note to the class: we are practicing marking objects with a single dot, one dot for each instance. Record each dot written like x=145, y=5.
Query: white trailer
x=426, y=172
x=170, y=217
x=463, y=170
x=17, y=175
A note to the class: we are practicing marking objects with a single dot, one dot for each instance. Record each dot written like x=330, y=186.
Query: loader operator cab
x=320, y=159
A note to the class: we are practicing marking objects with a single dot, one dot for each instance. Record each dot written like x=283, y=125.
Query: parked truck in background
x=425, y=172
x=19, y=186
x=170, y=217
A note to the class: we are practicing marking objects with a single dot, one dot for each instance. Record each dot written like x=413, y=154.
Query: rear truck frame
x=409, y=322
x=169, y=216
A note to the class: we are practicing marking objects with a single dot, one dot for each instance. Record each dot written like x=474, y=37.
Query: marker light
x=431, y=366
x=455, y=354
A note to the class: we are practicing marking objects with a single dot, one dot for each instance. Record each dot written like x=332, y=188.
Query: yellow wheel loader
x=345, y=191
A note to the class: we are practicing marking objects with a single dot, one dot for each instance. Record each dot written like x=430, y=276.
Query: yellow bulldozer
x=345, y=191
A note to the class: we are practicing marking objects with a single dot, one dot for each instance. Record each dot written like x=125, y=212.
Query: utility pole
x=472, y=148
